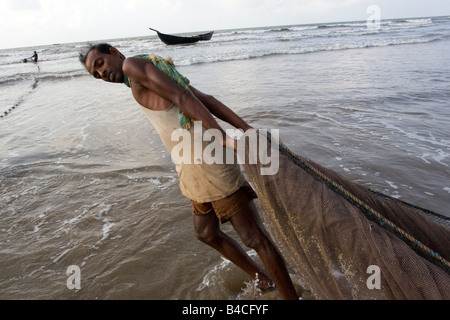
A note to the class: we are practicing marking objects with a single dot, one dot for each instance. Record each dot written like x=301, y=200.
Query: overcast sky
x=25, y=23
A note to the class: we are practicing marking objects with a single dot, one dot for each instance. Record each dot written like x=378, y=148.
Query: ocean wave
x=420, y=21
x=60, y=62
x=281, y=29
x=384, y=24
x=292, y=47
x=20, y=77
x=301, y=50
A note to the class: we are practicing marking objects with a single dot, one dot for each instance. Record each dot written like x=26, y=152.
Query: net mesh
x=332, y=230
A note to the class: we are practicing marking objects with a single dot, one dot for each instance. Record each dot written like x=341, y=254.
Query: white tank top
x=199, y=182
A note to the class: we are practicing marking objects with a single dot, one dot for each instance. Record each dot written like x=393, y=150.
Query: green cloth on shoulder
x=168, y=68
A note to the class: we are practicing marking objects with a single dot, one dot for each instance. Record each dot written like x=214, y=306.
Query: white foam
x=33, y=190
x=37, y=228
x=416, y=136
x=95, y=181
x=61, y=255
x=84, y=135
x=72, y=221
x=420, y=21
x=439, y=157
x=391, y=184
x=155, y=181
x=211, y=276
x=105, y=208
x=107, y=228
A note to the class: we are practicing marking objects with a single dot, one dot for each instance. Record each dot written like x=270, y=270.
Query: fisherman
x=218, y=193
x=35, y=57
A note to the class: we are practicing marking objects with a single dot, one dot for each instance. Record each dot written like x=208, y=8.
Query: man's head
x=104, y=62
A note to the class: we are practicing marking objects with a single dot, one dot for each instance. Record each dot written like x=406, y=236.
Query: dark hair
x=101, y=47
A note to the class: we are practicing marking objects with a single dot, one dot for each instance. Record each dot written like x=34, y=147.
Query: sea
x=90, y=206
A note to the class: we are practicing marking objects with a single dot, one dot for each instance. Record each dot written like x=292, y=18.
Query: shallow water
x=85, y=180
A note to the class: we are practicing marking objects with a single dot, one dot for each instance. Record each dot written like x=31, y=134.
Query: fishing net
x=340, y=237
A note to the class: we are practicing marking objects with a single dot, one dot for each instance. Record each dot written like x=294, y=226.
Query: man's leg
x=207, y=230
x=250, y=228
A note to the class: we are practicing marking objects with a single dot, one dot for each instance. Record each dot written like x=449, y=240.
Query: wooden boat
x=171, y=39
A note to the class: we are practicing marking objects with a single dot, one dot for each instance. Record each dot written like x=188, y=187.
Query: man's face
x=107, y=67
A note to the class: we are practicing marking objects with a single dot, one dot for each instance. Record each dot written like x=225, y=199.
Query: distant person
x=218, y=193
x=35, y=57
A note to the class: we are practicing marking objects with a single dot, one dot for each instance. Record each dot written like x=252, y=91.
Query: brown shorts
x=227, y=207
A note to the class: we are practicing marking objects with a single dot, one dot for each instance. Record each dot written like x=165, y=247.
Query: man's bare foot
x=264, y=283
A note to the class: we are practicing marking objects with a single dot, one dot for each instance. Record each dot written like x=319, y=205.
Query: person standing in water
x=218, y=192
x=35, y=57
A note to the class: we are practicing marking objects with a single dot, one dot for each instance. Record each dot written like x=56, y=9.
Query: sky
x=27, y=23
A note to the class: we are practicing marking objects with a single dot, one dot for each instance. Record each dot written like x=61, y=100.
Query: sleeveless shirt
x=201, y=182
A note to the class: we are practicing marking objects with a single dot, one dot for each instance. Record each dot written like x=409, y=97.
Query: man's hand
x=230, y=143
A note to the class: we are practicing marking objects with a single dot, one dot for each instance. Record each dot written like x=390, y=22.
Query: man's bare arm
x=144, y=73
x=220, y=110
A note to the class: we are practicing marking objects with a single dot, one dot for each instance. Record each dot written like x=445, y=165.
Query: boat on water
x=173, y=39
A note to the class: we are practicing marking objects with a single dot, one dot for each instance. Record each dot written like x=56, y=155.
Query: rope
x=4, y=114
x=20, y=100
x=382, y=221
